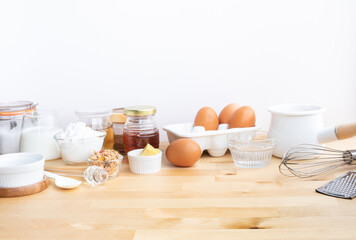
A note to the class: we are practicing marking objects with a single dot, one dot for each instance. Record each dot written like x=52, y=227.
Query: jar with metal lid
x=140, y=128
x=98, y=119
x=12, y=115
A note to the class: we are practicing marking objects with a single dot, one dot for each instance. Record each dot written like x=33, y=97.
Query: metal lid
x=93, y=112
x=16, y=107
x=140, y=110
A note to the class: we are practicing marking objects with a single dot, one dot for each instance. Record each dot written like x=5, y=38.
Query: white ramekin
x=21, y=169
x=144, y=164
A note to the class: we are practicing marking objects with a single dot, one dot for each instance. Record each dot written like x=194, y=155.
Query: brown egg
x=207, y=118
x=183, y=152
x=227, y=111
x=242, y=117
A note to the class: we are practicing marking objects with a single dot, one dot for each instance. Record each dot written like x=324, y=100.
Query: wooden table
x=207, y=201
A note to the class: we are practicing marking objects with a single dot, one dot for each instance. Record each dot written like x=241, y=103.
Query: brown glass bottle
x=140, y=128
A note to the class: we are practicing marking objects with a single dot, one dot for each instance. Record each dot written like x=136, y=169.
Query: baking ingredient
x=140, y=128
x=10, y=132
x=12, y=116
x=78, y=141
x=242, y=117
x=227, y=111
x=183, y=152
x=108, y=159
x=79, y=130
x=149, y=151
x=40, y=140
x=118, y=119
x=38, y=133
x=134, y=141
x=119, y=137
x=109, y=139
x=207, y=118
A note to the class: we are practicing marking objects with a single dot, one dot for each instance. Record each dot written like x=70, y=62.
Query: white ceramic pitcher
x=296, y=123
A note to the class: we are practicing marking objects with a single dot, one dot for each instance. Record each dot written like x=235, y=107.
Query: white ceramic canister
x=295, y=124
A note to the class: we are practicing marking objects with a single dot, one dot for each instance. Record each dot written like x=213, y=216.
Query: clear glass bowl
x=111, y=166
x=76, y=151
x=255, y=152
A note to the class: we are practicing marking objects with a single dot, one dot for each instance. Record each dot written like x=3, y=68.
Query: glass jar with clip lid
x=12, y=116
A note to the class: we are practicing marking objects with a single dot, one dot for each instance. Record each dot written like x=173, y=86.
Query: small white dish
x=21, y=169
x=144, y=164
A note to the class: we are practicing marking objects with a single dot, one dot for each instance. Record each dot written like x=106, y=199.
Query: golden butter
x=149, y=151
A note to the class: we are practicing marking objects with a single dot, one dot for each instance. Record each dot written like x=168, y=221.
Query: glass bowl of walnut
x=109, y=159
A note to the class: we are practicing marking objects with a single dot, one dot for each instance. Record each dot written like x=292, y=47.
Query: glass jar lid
x=93, y=112
x=140, y=110
x=16, y=108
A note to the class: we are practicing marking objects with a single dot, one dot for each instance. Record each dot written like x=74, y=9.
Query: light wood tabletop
x=210, y=200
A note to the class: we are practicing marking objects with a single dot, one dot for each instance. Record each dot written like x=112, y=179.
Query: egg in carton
x=214, y=141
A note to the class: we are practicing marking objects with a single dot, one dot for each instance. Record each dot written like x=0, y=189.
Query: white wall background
x=180, y=55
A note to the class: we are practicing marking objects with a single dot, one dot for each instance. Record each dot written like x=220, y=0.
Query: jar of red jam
x=140, y=128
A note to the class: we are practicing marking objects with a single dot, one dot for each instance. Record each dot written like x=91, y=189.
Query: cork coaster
x=25, y=190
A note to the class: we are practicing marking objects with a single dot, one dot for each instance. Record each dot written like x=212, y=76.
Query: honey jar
x=140, y=128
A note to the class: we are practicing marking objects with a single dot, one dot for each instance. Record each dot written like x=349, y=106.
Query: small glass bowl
x=76, y=151
x=111, y=166
x=255, y=152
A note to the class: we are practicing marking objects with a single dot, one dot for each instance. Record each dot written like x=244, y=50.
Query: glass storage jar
x=12, y=115
x=118, y=119
x=98, y=119
x=37, y=135
x=140, y=128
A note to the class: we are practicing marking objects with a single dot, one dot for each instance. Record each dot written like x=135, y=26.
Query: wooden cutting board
x=24, y=190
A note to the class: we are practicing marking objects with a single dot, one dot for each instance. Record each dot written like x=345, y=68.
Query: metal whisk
x=307, y=160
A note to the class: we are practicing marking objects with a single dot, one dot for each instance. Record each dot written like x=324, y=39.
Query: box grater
x=341, y=187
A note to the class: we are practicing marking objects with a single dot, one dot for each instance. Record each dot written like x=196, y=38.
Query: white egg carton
x=215, y=142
